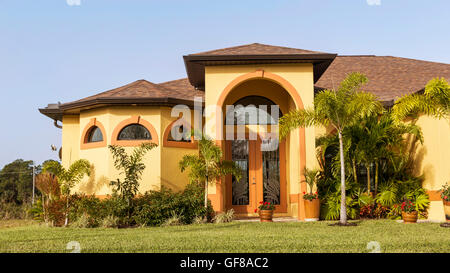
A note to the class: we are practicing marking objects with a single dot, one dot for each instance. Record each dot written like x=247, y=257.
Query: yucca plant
x=339, y=108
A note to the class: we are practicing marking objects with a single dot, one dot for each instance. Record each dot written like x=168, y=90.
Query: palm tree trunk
x=343, y=218
x=206, y=192
x=205, y=219
x=368, y=178
x=355, y=175
x=376, y=178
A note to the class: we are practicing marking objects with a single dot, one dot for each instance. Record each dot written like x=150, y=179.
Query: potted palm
x=265, y=211
x=409, y=212
x=311, y=200
x=445, y=195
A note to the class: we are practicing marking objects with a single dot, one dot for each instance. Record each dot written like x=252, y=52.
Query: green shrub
x=155, y=207
x=13, y=210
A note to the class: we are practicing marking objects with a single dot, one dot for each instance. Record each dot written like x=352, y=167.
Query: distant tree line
x=16, y=182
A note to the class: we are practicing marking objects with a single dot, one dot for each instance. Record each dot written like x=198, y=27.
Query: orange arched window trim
x=178, y=144
x=131, y=143
x=84, y=136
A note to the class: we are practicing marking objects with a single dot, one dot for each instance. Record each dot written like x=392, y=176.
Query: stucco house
x=256, y=74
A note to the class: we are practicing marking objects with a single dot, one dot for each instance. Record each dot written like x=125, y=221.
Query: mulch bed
x=343, y=225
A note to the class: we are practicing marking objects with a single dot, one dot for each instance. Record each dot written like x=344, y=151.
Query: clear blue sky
x=51, y=51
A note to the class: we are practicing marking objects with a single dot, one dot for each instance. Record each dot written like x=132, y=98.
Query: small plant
x=175, y=220
x=310, y=179
x=110, y=221
x=265, y=206
x=198, y=220
x=224, y=217
x=408, y=206
x=84, y=221
x=445, y=192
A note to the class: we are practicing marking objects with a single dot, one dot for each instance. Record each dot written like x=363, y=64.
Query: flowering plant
x=408, y=206
x=265, y=206
x=445, y=192
x=310, y=196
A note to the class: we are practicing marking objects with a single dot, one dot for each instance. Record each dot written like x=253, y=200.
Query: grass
x=231, y=237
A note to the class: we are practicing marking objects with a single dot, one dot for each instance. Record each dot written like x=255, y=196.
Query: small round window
x=95, y=135
x=134, y=132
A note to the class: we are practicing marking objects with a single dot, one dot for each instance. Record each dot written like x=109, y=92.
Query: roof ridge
x=406, y=58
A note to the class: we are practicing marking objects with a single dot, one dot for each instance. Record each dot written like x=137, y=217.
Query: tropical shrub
x=132, y=167
x=155, y=207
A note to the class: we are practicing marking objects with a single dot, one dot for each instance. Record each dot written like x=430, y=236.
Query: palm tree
x=339, y=108
x=208, y=165
x=435, y=101
x=68, y=178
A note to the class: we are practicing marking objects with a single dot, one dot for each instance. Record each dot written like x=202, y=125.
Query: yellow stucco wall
x=432, y=159
x=161, y=162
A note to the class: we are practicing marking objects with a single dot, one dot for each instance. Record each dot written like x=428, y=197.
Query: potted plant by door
x=312, y=206
x=265, y=211
x=445, y=195
x=311, y=200
x=409, y=212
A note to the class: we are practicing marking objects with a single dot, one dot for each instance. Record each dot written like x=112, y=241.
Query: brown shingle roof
x=256, y=49
x=140, y=91
x=389, y=77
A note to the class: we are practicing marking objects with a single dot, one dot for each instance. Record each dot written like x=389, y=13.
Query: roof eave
x=195, y=64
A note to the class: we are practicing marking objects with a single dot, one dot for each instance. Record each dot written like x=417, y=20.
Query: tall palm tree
x=208, y=165
x=339, y=108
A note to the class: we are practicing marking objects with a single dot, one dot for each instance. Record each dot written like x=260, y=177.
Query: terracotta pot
x=265, y=215
x=409, y=218
x=312, y=210
x=447, y=210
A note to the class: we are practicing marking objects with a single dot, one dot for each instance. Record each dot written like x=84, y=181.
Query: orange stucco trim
x=178, y=144
x=131, y=143
x=84, y=136
x=261, y=74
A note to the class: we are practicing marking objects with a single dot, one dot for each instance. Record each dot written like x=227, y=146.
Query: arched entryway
x=266, y=173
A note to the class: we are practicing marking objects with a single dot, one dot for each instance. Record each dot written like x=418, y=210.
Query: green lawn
x=232, y=237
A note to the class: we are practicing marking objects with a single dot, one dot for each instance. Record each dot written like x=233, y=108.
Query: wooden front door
x=263, y=178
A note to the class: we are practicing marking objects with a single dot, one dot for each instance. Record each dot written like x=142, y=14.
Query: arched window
x=134, y=132
x=95, y=135
x=178, y=134
x=253, y=110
